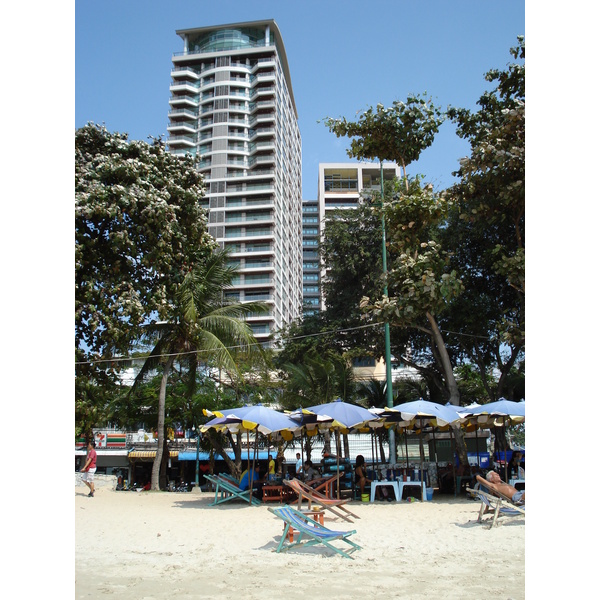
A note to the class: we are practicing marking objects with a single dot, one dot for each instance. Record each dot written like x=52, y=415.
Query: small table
x=394, y=484
x=317, y=516
x=402, y=484
x=518, y=484
x=273, y=493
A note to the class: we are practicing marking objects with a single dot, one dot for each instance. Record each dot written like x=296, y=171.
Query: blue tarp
x=204, y=456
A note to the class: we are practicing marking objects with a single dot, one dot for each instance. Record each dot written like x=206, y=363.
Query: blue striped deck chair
x=500, y=506
x=226, y=490
x=310, y=533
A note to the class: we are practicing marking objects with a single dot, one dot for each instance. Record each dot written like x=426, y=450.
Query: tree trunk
x=164, y=465
x=452, y=387
x=438, y=339
x=380, y=439
x=233, y=466
x=162, y=395
x=308, y=446
x=461, y=445
x=280, y=460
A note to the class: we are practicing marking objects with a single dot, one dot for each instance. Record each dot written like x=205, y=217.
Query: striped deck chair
x=311, y=533
x=500, y=506
x=305, y=492
x=226, y=490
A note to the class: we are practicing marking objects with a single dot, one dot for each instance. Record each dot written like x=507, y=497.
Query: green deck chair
x=310, y=533
x=226, y=490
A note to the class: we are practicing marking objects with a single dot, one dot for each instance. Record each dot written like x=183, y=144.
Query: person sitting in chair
x=514, y=464
x=310, y=473
x=360, y=474
x=361, y=479
x=518, y=497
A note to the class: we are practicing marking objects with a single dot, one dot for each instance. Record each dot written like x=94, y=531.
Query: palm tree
x=319, y=379
x=202, y=324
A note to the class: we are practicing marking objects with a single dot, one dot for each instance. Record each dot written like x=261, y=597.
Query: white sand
x=174, y=545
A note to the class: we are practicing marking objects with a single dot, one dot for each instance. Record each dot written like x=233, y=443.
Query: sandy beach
x=151, y=545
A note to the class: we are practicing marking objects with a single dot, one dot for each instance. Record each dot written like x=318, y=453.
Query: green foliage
x=472, y=387
x=351, y=249
x=372, y=393
x=317, y=379
x=420, y=280
x=486, y=228
x=139, y=227
x=398, y=133
x=203, y=328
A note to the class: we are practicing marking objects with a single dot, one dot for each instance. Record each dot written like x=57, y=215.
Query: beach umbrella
x=500, y=413
x=258, y=418
x=345, y=416
x=424, y=413
x=310, y=422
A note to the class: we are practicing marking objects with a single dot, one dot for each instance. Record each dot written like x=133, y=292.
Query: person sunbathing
x=518, y=497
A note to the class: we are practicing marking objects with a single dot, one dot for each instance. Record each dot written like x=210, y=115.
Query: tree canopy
x=398, y=133
x=139, y=228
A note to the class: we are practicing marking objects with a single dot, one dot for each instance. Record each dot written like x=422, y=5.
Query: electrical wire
x=298, y=337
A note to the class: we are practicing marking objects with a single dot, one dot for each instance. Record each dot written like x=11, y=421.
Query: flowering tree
x=139, y=229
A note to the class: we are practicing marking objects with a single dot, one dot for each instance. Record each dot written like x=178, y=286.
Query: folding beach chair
x=226, y=490
x=310, y=532
x=493, y=502
x=305, y=492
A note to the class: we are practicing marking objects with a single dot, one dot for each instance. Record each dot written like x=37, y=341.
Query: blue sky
x=344, y=56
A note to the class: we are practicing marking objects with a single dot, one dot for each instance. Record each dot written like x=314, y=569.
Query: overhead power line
x=297, y=337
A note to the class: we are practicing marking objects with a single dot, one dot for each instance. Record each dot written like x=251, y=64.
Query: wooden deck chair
x=491, y=488
x=226, y=490
x=324, y=485
x=499, y=506
x=310, y=533
x=305, y=492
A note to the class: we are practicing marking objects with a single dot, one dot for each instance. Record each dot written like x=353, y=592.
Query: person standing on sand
x=90, y=467
x=271, y=468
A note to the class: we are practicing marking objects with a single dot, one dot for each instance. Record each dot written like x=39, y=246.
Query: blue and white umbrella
x=421, y=413
x=500, y=413
x=345, y=416
x=427, y=413
x=258, y=418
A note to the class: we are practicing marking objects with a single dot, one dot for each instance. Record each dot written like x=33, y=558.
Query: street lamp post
x=388, y=353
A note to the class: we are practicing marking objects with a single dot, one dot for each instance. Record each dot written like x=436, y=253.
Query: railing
x=223, y=46
x=183, y=111
x=181, y=138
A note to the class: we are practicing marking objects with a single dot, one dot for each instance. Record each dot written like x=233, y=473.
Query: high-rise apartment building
x=311, y=270
x=232, y=106
x=340, y=184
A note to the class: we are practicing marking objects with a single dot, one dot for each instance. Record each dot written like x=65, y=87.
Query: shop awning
x=150, y=454
x=191, y=455
x=102, y=452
